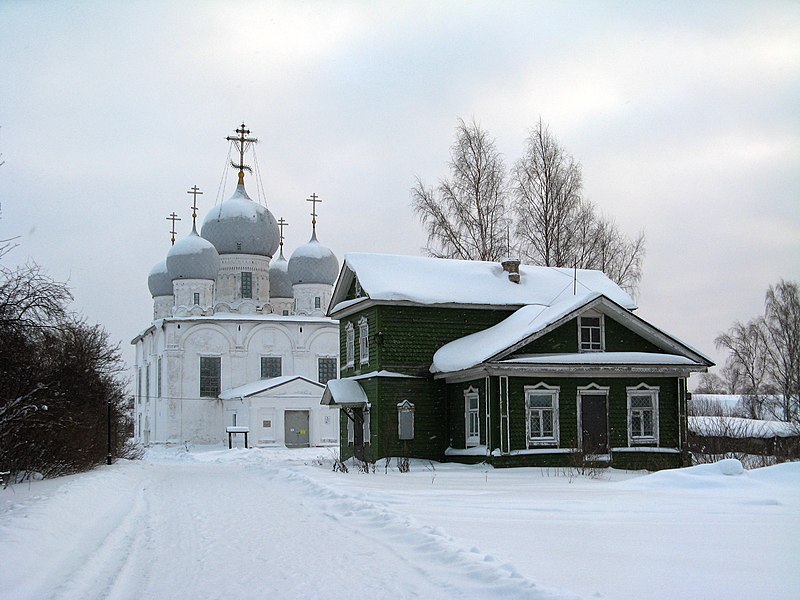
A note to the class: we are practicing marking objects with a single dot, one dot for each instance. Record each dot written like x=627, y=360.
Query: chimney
x=511, y=266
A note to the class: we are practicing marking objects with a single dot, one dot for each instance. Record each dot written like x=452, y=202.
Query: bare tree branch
x=465, y=216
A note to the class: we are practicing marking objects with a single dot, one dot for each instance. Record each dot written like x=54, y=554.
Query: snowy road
x=278, y=523
x=229, y=525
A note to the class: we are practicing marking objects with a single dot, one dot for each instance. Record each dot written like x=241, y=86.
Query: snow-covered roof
x=528, y=321
x=421, y=280
x=382, y=373
x=604, y=358
x=478, y=347
x=738, y=427
x=344, y=392
x=262, y=385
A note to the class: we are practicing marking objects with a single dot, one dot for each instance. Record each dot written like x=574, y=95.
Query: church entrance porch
x=296, y=428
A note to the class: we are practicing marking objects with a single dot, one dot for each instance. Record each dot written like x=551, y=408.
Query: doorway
x=594, y=423
x=295, y=428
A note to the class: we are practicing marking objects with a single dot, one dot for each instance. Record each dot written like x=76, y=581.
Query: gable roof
x=530, y=322
x=263, y=385
x=437, y=281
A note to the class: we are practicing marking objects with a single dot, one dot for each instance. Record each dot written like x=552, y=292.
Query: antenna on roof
x=173, y=217
x=575, y=280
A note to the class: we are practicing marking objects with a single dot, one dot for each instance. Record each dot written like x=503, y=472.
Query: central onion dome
x=193, y=258
x=241, y=226
x=280, y=286
x=313, y=263
x=159, y=281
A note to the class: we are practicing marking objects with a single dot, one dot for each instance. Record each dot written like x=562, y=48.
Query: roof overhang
x=267, y=385
x=344, y=393
x=350, y=307
x=555, y=369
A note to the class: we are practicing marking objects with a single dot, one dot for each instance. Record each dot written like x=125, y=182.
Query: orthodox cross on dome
x=173, y=217
x=281, y=224
x=242, y=144
x=314, y=199
x=194, y=192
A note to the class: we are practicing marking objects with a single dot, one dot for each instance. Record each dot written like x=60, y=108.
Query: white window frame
x=350, y=343
x=351, y=434
x=599, y=345
x=542, y=389
x=643, y=390
x=363, y=340
x=472, y=419
x=366, y=426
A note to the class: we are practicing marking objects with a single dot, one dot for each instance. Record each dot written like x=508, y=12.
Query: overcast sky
x=684, y=116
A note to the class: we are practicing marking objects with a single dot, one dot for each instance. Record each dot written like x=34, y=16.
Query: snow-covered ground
x=277, y=523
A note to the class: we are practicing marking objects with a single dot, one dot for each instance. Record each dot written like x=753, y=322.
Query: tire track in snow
x=454, y=571
x=106, y=572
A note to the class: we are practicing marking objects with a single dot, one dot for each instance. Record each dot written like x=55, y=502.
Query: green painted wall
x=617, y=408
x=430, y=423
x=564, y=339
x=568, y=419
x=404, y=338
x=457, y=412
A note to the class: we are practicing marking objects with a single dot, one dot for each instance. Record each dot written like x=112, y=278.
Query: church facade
x=240, y=340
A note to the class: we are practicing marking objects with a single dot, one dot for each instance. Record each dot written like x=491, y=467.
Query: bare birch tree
x=782, y=333
x=748, y=357
x=547, y=203
x=465, y=215
x=555, y=226
x=766, y=354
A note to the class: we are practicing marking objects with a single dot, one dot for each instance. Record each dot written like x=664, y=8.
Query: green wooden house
x=516, y=365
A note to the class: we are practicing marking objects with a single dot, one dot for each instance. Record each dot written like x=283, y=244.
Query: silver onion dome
x=313, y=263
x=193, y=258
x=241, y=226
x=280, y=286
x=158, y=281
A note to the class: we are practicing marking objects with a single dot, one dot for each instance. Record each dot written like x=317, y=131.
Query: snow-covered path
x=277, y=523
x=232, y=528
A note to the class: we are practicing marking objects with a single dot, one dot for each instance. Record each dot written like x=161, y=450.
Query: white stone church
x=239, y=339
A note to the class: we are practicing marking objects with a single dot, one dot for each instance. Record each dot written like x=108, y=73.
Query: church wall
x=264, y=415
x=185, y=289
x=181, y=414
x=229, y=280
x=305, y=295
